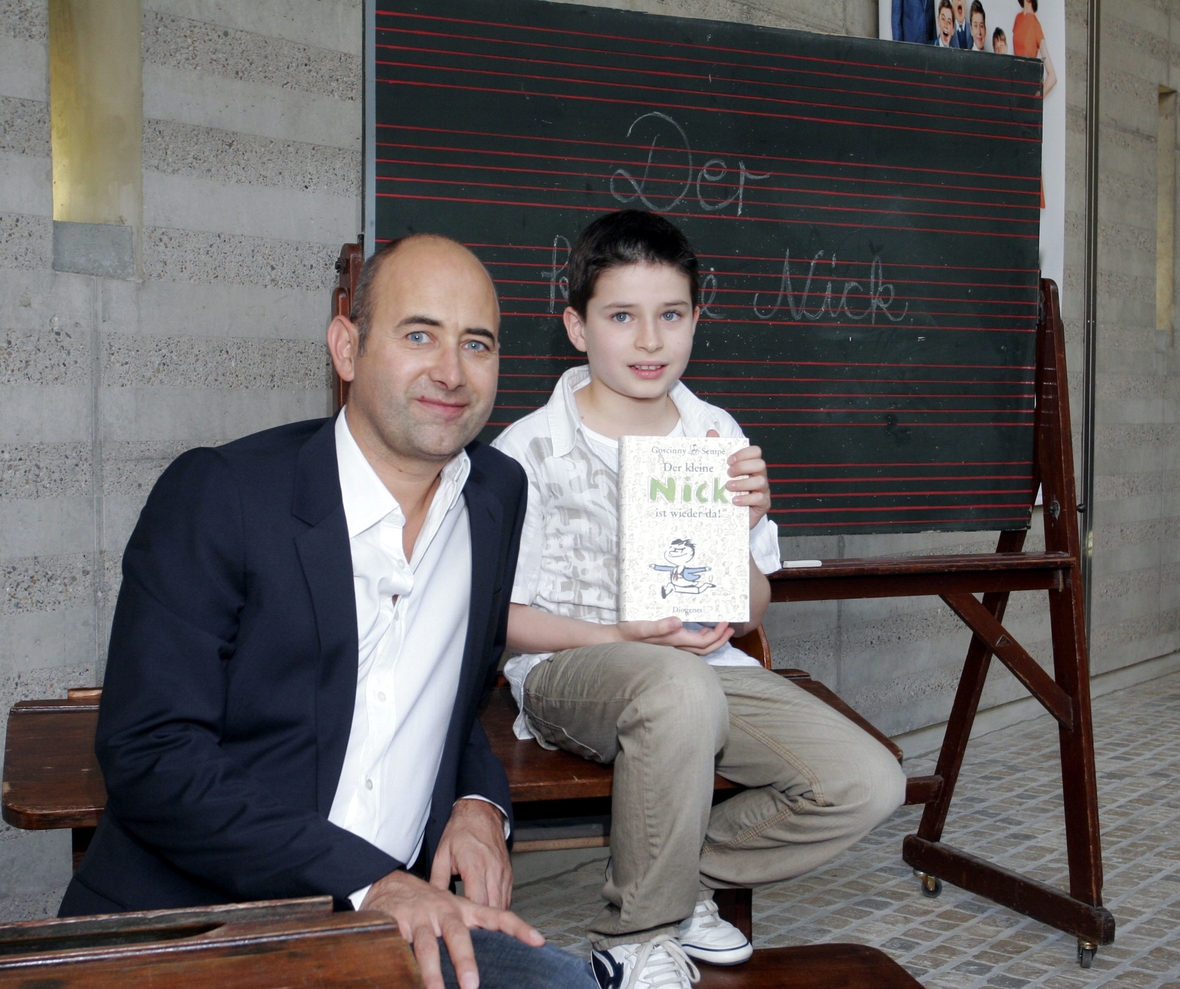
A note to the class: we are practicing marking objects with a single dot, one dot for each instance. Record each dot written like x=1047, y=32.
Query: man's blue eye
x=477, y=345
x=417, y=336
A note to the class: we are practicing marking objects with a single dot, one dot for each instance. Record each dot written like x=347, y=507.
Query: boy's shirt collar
x=565, y=420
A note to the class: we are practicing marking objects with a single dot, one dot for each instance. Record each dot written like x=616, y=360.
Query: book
x=684, y=547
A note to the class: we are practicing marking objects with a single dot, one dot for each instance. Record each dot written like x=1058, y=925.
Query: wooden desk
x=293, y=943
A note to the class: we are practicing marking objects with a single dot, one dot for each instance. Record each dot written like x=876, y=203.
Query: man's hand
x=473, y=848
x=671, y=632
x=748, y=481
x=424, y=914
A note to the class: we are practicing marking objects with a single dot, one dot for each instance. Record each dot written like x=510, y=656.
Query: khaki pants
x=666, y=720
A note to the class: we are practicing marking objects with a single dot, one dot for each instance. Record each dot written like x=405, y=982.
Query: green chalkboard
x=866, y=214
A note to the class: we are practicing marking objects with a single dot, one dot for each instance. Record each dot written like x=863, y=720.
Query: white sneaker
x=656, y=964
x=708, y=938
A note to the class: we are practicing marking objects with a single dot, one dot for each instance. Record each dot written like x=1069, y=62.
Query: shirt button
x=380, y=695
x=368, y=784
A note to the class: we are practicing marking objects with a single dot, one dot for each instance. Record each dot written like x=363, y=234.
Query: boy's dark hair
x=998, y=33
x=629, y=236
x=976, y=8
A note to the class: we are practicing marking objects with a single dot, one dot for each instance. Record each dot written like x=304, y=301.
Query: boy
x=999, y=41
x=978, y=26
x=636, y=693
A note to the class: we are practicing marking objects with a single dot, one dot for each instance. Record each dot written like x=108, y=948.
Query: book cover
x=684, y=547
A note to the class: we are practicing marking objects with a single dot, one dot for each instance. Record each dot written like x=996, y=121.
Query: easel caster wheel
x=1086, y=952
x=931, y=885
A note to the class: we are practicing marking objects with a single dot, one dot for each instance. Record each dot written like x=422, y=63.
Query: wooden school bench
x=301, y=943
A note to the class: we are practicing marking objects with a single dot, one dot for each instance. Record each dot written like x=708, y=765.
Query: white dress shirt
x=411, y=628
x=568, y=563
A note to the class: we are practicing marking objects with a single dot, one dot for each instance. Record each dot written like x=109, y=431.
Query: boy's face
x=960, y=10
x=1000, y=45
x=946, y=25
x=978, y=29
x=637, y=334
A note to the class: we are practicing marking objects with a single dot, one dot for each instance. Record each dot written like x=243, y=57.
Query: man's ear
x=574, y=327
x=343, y=344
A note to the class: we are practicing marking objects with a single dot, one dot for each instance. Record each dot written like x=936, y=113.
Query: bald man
x=308, y=620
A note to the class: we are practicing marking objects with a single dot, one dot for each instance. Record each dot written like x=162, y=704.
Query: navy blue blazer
x=232, y=673
x=913, y=20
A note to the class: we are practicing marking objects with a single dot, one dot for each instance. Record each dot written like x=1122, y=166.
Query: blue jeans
x=506, y=963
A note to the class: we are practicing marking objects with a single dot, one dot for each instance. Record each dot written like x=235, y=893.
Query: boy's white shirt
x=568, y=563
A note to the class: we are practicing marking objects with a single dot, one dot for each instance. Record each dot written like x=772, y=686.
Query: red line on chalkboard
x=943, y=521
x=484, y=184
x=1032, y=97
x=718, y=216
x=863, y=395
x=680, y=181
x=761, y=363
x=819, y=292
x=755, y=257
x=941, y=131
x=917, y=463
x=896, y=508
x=847, y=410
x=954, y=492
x=841, y=379
x=863, y=479
x=706, y=77
x=843, y=324
x=715, y=153
x=565, y=32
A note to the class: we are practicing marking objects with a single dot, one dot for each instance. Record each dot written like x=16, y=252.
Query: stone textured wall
x=252, y=180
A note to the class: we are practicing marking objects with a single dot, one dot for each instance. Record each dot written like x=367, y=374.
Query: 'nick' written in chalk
x=881, y=296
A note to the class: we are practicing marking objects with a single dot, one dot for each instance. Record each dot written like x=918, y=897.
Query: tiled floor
x=1007, y=808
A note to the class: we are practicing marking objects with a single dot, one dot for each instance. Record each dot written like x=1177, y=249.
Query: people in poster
x=946, y=26
x=1029, y=40
x=962, y=35
x=913, y=20
x=978, y=27
x=999, y=41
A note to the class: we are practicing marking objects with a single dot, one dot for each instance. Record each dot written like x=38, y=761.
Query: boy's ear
x=575, y=328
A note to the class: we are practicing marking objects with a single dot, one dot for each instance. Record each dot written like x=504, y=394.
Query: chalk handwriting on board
x=558, y=281
x=657, y=192
x=881, y=296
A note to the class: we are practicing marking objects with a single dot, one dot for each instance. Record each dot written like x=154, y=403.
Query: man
x=272, y=728
x=913, y=20
x=962, y=35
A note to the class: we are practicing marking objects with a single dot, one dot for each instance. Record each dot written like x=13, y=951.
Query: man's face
x=978, y=30
x=945, y=25
x=425, y=384
x=960, y=10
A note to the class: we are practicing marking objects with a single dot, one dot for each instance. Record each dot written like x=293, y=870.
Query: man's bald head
x=364, y=303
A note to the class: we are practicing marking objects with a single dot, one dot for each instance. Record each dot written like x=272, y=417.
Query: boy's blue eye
x=620, y=317
x=670, y=315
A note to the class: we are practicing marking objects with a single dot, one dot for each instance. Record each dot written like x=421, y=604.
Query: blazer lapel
x=484, y=515
x=326, y=558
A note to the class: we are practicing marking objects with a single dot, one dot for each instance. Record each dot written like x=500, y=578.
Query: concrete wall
x=251, y=181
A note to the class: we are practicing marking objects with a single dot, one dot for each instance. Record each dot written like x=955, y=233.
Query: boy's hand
x=747, y=471
x=671, y=632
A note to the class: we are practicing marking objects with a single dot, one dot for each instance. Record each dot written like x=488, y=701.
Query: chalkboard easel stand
x=1066, y=696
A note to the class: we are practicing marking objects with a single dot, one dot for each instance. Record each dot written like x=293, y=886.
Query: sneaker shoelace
x=668, y=967
x=706, y=914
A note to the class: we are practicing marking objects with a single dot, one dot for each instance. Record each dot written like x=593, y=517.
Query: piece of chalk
x=793, y=564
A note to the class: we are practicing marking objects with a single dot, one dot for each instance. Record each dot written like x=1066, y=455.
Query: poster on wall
x=1004, y=27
